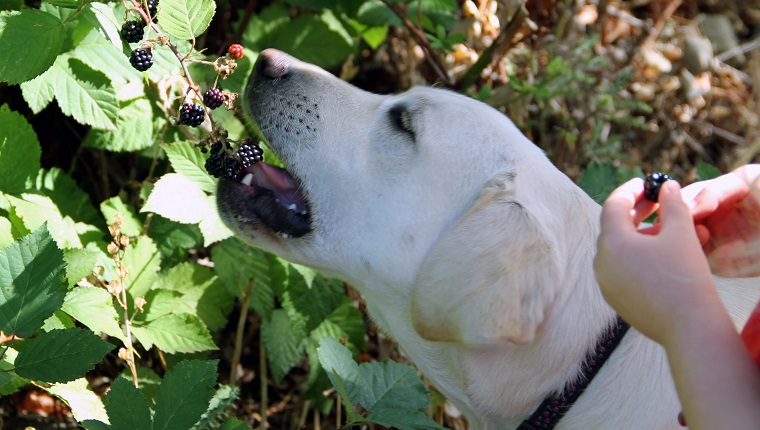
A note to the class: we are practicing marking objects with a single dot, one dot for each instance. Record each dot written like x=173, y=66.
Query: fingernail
x=670, y=187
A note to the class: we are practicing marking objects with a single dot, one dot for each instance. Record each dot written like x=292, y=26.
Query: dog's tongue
x=279, y=181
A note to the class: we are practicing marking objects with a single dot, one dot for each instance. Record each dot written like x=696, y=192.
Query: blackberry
x=213, y=163
x=152, y=9
x=213, y=98
x=652, y=185
x=132, y=31
x=236, y=51
x=141, y=59
x=231, y=167
x=191, y=114
x=249, y=153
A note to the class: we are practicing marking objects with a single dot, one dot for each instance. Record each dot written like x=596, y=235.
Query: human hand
x=660, y=281
x=726, y=213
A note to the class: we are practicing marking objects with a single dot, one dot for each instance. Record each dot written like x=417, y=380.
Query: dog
x=471, y=250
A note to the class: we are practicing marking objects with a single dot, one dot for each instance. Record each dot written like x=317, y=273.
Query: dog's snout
x=273, y=64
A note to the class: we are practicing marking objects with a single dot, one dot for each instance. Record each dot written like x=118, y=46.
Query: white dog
x=471, y=249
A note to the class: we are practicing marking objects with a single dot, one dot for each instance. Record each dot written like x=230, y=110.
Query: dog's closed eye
x=401, y=119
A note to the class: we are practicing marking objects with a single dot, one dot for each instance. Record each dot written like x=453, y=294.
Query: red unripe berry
x=236, y=51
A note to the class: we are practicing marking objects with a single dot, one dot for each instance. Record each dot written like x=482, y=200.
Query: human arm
x=661, y=284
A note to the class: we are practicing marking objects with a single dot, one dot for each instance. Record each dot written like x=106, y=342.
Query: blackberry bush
x=191, y=114
x=132, y=31
x=236, y=51
x=141, y=59
x=213, y=98
x=652, y=185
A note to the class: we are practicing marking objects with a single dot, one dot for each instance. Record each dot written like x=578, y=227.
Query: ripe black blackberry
x=652, y=185
x=191, y=114
x=231, y=167
x=132, y=31
x=213, y=98
x=141, y=59
x=213, y=163
x=152, y=9
x=249, y=153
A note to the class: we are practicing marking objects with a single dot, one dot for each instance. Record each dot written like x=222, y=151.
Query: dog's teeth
x=247, y=179
x=303, y=212
x=292, y=207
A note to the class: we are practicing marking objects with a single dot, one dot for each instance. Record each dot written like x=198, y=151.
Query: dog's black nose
x=273, y=64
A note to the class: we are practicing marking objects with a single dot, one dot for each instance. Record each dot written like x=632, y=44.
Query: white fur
x=471, y=249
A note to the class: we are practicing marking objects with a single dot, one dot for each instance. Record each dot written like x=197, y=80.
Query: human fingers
x=675, y=214
x=724, y=190
x=618, y=214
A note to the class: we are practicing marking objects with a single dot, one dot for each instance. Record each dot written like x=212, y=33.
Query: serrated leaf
x=80, y=263
x=93, y=307
x=95, y=425
x=212, y=228
x=58, y=321
x=133, y=131
x=185, y=394
x=4, y=378
x=143, y=262
x=84, y=93
x=283, y=339
x=189, y=161
x=64, y=191
x=403, y=419
x=179, y=199
x=102, y=17
x=131, y=225
x=236, y=263
x=105, y=57
x=176, y=333
x=32, y=285
x=36, y=209
x=38, y=93
x=84, y=404
x=19, y=151
x=127, y=408
x=6, y=364
x=33, y=39
x=61, y=355
x=391, y=385
x=234, y=424
x=185, y=19
x=340, y=366
x=219, y=406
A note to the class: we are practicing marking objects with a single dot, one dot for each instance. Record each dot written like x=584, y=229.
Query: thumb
x=674, y=212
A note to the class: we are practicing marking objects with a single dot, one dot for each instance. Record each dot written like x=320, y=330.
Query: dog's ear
x=490, y=278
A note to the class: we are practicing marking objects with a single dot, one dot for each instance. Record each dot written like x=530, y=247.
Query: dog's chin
x=265, y=199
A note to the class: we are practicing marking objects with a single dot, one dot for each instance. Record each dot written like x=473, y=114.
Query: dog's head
x=375, y=183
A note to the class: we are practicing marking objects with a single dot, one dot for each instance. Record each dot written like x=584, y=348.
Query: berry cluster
x=652, y=185
x=213, y=98
x=141, y=59
x=221, y=163
x=191, y=114
x=249, y=153
x=132, y=31
x=236, y=51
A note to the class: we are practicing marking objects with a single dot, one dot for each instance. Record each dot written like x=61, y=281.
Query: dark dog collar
x=553, y=408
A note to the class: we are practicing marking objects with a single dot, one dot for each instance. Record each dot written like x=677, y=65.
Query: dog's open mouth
x=273, y=196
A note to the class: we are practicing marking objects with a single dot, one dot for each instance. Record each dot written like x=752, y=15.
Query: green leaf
x=127, y=408
x=319, y=39
x=133, y=131
x=224, y=399
x=598, y=180
x=19, y=151
x=4, y=378
x=36, y=209
x=403, y=419
x=6, y=364
x=185, y=394
x=173, y=238
x=33, y=39
x=212, y=227
x=38, y=93
x=236, y=263
x=391, y=385
x=64, y=191
x=189, y=161
x=263, y=24
x=178, y=198
x=80, y=263
x=102, y=17
x=283, y=339
x=84, y=404
x=95, y=425
x=706, y=171
x=185, y=19
x=105, y=57
x=32, y=285
x=61, y=355
x=58, y=321
x=176, y=333
x=143, y=263
x=93, y=307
